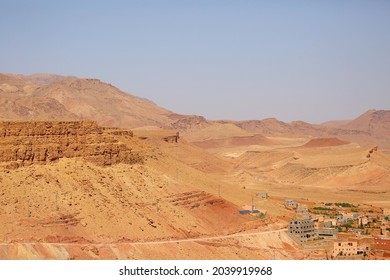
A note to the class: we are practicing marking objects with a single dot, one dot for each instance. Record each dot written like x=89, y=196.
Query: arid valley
x=90, y=172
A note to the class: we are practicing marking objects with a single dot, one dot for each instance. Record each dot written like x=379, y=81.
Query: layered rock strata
x=26, y=142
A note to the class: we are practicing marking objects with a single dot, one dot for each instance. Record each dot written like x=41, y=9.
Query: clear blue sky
x=293, y=60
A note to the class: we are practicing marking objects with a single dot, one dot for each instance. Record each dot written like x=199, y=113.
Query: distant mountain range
x=54, y=97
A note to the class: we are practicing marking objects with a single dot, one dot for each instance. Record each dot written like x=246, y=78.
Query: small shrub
x=260, y=215
x=344, y=205
x=323, y=208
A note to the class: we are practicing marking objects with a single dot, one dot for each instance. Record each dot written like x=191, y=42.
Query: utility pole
x=157, y=208
x=57, y=201
x=28, y=209
x=28, y=203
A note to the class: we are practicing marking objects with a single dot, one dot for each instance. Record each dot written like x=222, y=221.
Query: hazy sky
x=307, y=60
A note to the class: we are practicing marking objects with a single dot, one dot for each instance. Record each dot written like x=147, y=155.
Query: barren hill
x=42, y=78
x=54, y=97
x=324, y=142
x=338, y=123
x=46, y=97
x=78, y=182
x=369, y=129
x=339, y=167
x=375, y=122
x=297, y=128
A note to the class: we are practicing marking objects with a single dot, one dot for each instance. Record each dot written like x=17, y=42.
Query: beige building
x=345, y=248
x=327, y=232
x=349, y=215
x=262, y=195
x=363, y=221
x=319, y=218
x=330, y=222
x=290, y=203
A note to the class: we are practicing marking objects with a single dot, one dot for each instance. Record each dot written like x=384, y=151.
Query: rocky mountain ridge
x=54, y=97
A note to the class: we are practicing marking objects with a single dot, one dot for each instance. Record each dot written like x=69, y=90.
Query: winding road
x=155, y=242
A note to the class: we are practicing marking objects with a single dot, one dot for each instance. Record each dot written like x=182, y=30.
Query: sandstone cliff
x=23, y=143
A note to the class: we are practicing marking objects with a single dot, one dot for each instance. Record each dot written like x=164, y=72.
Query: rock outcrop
x=26, y=142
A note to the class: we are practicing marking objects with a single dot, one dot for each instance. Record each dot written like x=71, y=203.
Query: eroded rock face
x=27, y=142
